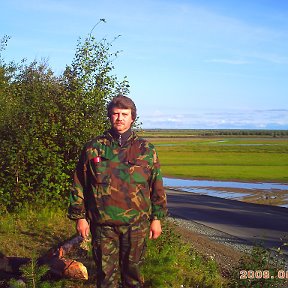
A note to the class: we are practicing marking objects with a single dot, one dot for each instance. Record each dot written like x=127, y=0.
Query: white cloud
x=242, y=119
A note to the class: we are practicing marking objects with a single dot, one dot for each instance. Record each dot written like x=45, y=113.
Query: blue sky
x=190, y=64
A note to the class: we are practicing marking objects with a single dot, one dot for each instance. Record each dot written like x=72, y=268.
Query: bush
x=45, y=120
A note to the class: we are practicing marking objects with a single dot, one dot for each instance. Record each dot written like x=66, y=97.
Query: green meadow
x=240, y=157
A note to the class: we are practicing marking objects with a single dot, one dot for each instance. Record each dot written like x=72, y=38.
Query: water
x=230, y=189
x=228, y=184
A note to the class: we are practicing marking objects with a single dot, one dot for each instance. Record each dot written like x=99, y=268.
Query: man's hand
x=155, y=229
x=82, y=227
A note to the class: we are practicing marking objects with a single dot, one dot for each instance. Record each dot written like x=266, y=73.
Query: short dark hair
x=122, y=102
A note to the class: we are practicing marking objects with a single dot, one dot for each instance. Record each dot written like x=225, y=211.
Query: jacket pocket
x=139, y=170
x=101, y=170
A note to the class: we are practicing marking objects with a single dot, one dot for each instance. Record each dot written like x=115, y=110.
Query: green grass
x=31, y=231
x=248, y=159
x=169, y=261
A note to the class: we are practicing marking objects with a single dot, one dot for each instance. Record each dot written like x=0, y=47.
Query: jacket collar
x=113, y=135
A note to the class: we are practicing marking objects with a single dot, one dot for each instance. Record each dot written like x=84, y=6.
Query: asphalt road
x=263, y=224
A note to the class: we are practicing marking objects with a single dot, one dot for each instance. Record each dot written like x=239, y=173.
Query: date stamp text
x=263, y=274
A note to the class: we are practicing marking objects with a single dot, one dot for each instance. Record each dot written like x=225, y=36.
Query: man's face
x=121, y=119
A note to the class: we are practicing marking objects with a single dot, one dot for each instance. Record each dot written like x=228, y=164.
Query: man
x=118, y=196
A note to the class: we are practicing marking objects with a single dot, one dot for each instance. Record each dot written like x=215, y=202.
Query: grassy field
x=169, y=260
x=253, y=158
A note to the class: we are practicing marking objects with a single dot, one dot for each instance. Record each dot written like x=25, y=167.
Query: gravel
x=213, y=234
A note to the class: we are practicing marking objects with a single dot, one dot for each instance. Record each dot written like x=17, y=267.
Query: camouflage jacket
x=117, y=185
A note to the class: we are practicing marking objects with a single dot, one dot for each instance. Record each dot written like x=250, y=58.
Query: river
x=257, y=192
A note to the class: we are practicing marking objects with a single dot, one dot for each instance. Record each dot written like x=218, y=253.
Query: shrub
x=45, y=120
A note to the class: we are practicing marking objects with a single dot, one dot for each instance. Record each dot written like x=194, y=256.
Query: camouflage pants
x=118, y=251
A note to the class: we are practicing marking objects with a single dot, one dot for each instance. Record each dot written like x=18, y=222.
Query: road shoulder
x=225, y=249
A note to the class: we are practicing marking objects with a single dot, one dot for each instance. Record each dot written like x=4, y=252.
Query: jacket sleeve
x=76, y=209
x=157, y=192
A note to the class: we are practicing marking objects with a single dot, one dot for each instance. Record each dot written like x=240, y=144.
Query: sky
x=191, y=64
